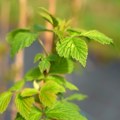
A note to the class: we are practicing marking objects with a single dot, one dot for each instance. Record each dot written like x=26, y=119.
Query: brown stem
x=48, y=35
x=41, y=43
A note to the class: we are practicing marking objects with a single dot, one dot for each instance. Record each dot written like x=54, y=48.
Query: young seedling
x=46, y=99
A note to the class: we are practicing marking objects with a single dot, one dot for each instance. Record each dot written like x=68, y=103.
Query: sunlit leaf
x=71, y=86
x=17, y=86
x=35, y=114
x=4, y=101
x=48, y=92
x=97, y=36
x=34, y=74
x=59, y=79
x=24, y=105
x=76, y=96
x=64, y=111
x=38, y=57
x=44, y=65
x=19, y=39
x=48, y=17
x=73, y=47
x=27, y=92
x=76, y=32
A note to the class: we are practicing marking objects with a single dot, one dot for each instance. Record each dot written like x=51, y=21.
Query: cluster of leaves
x=46, y=101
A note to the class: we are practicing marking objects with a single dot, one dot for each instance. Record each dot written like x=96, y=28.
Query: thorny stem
x=41, y=43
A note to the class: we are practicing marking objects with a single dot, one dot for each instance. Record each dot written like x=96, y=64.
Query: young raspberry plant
x=46, y=99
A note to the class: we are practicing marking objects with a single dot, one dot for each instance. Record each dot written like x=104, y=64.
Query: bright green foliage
x=73, y=47
x=48, y=92
x=35, y=114
x=70, y=86
x=46, y=99
x=63, y=66
x=44, y=65
x=52, y=57
x=20, y=39
x=34, y=74
x=76, y=32
x=24, y=105
x=48, y=17
x=64, y=111
x=97, y=36
x=38, y=57
x=4, y=100
x=76, y=96
x=17, y=86
x=59, y=79
x=27, y=92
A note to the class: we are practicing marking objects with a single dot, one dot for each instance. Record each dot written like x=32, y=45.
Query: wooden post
x=76, y=6
x=48, y=35
x=19, y=61
x=4, y=23
x=4, y=18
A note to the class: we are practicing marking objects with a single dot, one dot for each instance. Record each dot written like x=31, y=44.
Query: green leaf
x=61, y=66
x=19, y=117
x=48, y=92
x=38, y=57
x=48, y=17
x=19, y=39
x=73, y=47
x=34, y=74
x=44, y=65
x=74, y=31
x=71, y=86
x=97, y=36
x=24, y=105
x=27, y=92
x=40, y=28
x=35, y=114
x=5, y=100
x=59, y=79
x=53, y=87
x=76, y=96
x=64, y=111
x=52, y=57
x=17, y=86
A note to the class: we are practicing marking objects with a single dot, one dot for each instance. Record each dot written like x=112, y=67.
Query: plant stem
x=54, y=43
x=49, y=35
x=41, y=43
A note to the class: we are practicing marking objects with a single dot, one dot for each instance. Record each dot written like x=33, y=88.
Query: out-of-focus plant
x=3, y=49
x=46, y=99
